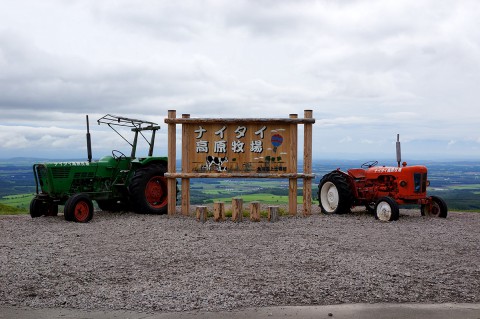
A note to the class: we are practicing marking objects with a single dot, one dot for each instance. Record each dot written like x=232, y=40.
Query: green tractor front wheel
x=78, y=208
x=39, y=207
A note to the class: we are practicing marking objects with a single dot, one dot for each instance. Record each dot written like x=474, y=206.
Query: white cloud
x=368, y=69
x=346, y=139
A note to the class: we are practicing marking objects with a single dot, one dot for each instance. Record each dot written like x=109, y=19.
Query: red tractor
x=380, y=189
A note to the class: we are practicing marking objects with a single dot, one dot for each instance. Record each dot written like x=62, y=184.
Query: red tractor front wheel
x=386, y=209
x=79, y=208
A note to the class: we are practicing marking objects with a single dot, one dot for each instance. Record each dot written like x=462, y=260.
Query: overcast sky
x=368, y=69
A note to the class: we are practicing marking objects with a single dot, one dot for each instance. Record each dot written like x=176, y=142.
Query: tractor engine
x=407, y=184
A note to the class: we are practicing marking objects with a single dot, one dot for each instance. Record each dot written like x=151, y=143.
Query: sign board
x=245, y=148
x=238, y=148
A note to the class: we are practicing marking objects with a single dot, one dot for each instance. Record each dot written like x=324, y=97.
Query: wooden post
x=292, y=185
x=307, y=165
x=255, y=211
x=185, y=161
x=172, y=158
x=202, y=213
x=219, y=211
x=237, y=209
x=273, y=213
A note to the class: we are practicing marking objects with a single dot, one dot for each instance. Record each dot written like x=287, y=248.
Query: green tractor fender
x=144, y=161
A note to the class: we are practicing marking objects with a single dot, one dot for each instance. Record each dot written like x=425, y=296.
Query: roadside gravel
x=125, y=261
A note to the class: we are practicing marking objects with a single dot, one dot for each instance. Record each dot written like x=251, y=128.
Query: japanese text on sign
x=246, y=148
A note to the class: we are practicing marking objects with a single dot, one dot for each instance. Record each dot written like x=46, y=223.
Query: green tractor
x=117, y=182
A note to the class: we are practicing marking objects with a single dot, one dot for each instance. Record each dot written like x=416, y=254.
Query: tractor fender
x=351, y=182
x=141, y=162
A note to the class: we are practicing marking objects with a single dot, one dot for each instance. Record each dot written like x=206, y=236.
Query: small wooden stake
x=255, y=211
x=202, y=213
x=273, y=214
x=237, y=209
x=219, y=211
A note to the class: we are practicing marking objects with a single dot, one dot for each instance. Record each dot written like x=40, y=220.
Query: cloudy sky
x=368, y=69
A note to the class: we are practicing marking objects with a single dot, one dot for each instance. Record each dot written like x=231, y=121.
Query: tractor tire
x=439, y=208
x=370, y=207
x=386, y=209
x=39, y=207
x=36, y=208
x=109, y=205
x=78, y=208
x=148, y=190
x=334, y=194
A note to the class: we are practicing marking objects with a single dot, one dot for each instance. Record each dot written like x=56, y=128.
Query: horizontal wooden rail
x=238, y=175
x=237, y=121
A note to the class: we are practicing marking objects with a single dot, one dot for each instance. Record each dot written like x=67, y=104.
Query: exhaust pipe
x=89, y=143
x=399, y=151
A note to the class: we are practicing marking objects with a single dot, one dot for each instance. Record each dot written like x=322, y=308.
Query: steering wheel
x=369, y=164
x=117, y=154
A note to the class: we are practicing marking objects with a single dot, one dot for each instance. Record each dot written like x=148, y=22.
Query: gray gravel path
x=125, y=261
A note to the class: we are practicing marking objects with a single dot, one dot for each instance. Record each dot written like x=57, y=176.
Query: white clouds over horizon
x=368, y=69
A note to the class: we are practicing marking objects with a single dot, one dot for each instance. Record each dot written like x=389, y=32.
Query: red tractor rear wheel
x=438, y=208
x=334, y=194
x=79, y=208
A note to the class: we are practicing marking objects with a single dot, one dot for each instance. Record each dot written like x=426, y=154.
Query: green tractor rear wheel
x=79, y=208
x=148, y=190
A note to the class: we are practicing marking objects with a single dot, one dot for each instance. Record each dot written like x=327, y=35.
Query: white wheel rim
x=384, y=211
x=329, y=197
x=434, y=211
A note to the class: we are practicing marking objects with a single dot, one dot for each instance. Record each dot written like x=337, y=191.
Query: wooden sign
x=231, y=148
x=246, y=148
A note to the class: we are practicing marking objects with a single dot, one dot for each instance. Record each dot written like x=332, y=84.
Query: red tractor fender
x=351, y=180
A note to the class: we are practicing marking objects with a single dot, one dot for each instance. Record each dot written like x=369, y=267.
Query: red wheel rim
x=81, y=211
x=156, y=192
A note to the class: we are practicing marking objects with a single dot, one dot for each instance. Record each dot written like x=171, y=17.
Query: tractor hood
x=391, y=170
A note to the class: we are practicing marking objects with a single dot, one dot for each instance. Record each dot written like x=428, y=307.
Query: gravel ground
x=125, y=261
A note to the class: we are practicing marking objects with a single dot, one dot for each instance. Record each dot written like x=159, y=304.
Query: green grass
x=9, y=210
x=15, y=204
x=465, y=187
x=262, y=198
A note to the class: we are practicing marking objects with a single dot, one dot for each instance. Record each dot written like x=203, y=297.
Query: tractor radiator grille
x=83, y=175
x=60, y=172
x=420, y=182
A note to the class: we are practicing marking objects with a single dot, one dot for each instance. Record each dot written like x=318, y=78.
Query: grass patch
x=9, y=210
x=21, y=201
x=465, y=187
